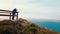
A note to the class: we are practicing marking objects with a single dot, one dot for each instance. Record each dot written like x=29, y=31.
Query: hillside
x=22, y=26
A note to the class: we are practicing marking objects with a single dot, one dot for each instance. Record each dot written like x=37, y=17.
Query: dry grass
x=21, y=26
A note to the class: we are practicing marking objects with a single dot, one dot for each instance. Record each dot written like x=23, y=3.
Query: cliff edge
x=22, y=26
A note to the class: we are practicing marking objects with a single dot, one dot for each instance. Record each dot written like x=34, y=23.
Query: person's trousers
x=13, y=16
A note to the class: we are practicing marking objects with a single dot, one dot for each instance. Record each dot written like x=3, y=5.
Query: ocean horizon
x=49, y=24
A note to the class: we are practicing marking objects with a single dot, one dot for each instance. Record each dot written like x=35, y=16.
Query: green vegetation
x=21, y=27
x=58, y=32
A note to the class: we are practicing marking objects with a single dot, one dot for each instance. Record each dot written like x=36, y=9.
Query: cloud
x=18, y=1
x=46, y=9
x=51, y=3
x=38, y=16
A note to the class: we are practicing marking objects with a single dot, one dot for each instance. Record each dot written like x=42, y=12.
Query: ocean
x=49, y=24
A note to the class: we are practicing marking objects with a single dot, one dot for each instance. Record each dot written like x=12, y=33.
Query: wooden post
x=17, y=16
x=10, y=16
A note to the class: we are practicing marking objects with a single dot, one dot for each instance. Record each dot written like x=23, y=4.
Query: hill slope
x=22, y=26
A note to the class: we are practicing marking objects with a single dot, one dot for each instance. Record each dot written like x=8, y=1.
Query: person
x=13, y=13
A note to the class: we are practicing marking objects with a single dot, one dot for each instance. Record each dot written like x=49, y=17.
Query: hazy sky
x=38, y=9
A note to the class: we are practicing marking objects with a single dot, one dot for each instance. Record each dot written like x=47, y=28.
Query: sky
x=37, y=9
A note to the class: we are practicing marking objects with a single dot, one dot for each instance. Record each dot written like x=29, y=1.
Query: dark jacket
x=14, y=11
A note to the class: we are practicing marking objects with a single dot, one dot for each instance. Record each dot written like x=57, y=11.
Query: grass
x=58, y=32
x=16, y=27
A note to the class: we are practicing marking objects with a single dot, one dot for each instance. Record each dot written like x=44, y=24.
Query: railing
x=10, y=14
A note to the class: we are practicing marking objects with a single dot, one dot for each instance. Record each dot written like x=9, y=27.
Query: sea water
x=49, y=24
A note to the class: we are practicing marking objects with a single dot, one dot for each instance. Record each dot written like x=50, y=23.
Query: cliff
x=22, y=26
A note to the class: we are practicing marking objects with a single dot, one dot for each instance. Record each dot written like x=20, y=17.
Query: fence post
x=10, y=16
x=17, y=16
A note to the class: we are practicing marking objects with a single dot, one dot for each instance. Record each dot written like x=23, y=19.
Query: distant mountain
x=22, y=26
